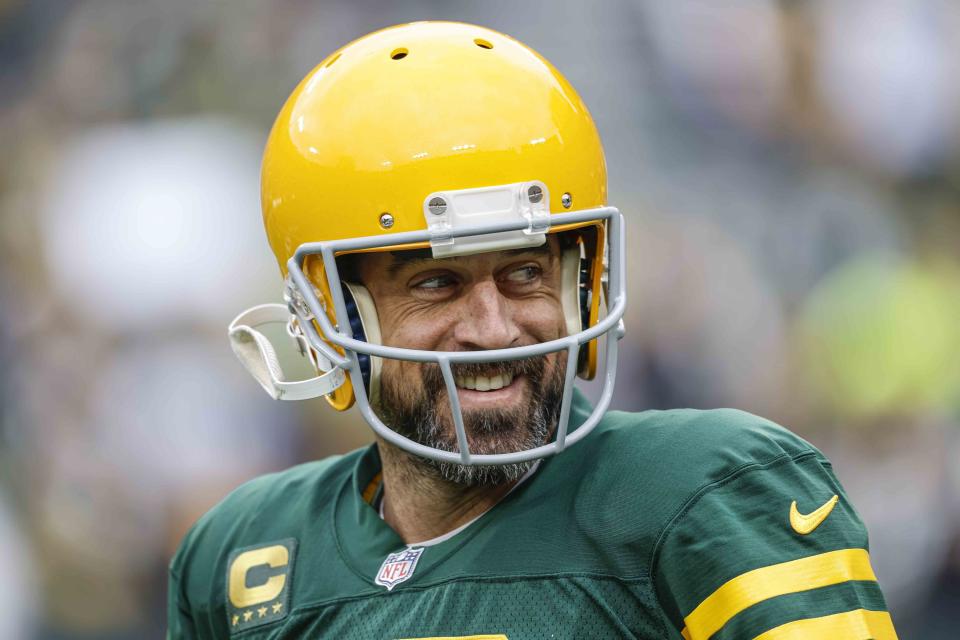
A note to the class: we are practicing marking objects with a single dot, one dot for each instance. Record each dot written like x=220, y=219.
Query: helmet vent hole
x=332, y=60
x=483, y=44
x=399, y=54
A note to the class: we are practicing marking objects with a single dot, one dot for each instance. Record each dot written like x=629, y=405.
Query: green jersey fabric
x=662, y=524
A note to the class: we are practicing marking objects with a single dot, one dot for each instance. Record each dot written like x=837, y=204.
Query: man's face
x=485, y=301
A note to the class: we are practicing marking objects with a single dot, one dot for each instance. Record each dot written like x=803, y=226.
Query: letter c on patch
x=243, y=596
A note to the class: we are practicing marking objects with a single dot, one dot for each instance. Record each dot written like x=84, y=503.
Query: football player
x=435, y=194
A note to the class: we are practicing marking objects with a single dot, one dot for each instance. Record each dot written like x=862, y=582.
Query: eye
x=436, y=282
x=524, y=275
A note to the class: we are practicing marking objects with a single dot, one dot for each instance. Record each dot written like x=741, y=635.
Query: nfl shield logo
x=398, y=567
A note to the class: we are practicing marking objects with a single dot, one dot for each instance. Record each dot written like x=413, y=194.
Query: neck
x=419, y=506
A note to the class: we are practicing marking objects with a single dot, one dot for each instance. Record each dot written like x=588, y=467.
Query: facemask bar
x=616, y=296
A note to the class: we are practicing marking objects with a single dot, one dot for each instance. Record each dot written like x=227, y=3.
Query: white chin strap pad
x=258, y=356
x=370, y=321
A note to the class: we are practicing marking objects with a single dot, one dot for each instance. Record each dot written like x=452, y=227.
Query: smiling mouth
x=484, y=383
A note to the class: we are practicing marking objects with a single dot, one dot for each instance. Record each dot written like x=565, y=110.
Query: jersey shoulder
x=273, y=506
x=689, y=448
x=638, y=470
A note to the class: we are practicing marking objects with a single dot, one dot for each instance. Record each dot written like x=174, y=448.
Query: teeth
x=484, y=383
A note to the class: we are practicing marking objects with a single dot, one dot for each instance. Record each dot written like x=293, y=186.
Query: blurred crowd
x=790, y=173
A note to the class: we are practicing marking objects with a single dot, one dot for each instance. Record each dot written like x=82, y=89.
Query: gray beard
x=488, y=432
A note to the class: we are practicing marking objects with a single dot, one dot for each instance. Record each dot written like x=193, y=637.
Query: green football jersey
x=662, y=524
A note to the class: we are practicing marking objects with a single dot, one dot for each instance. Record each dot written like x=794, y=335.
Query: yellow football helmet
x=436, y=135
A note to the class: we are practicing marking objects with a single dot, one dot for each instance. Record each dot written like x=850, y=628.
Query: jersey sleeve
x=772, y=551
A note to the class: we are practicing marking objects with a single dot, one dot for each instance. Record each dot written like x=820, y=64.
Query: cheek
x=409, y=332
x=542, y=319
x=403, y=377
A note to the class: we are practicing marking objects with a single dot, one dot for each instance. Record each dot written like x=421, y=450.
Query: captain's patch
x=258, y=584
x=398, y=567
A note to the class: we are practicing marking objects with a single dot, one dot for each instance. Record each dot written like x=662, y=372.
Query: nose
x=486, y=319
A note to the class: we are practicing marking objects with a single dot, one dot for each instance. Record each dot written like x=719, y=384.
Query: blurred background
x=790, y=172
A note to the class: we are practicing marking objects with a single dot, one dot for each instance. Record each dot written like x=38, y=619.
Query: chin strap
x=258, y=356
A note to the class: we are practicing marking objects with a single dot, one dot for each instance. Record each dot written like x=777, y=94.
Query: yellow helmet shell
x=414, y=109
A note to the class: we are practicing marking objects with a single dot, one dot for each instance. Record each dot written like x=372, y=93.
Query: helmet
x=442, y=136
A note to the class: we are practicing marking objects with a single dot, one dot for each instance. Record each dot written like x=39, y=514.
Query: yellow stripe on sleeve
x=861, y=624
x=761, y=584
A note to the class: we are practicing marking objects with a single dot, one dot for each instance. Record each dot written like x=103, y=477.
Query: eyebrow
x=402, y=259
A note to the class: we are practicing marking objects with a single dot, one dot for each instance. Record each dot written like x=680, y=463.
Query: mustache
x=530, y=367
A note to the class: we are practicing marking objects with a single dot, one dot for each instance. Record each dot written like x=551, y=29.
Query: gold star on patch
x=277, y=606
x=236, y=619
x=262, y=611
x=247, y=615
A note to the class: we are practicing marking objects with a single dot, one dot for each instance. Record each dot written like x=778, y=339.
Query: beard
x=425, y=417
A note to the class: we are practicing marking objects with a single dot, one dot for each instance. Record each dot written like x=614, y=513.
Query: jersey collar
x=364, y=539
